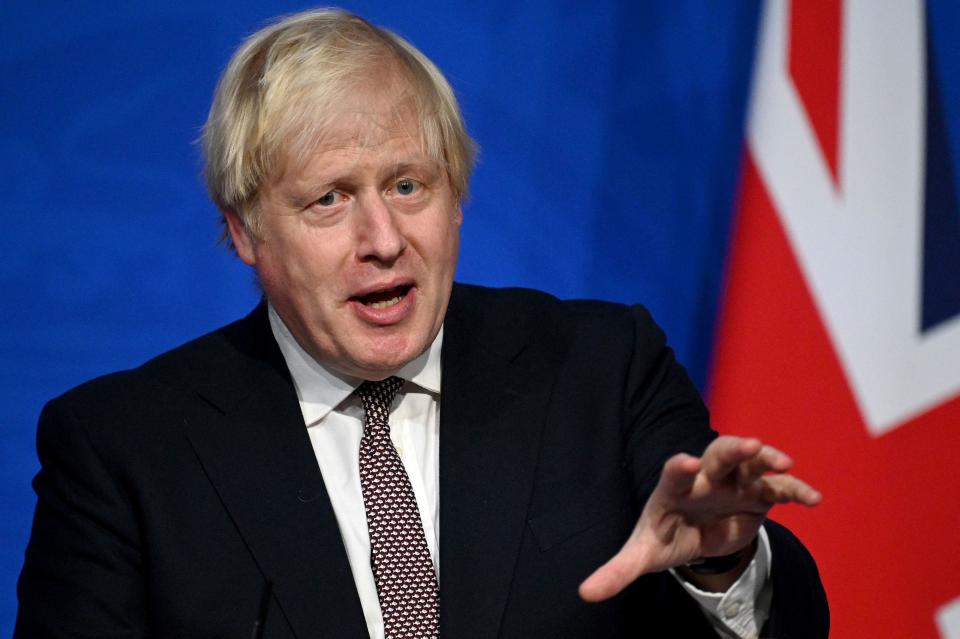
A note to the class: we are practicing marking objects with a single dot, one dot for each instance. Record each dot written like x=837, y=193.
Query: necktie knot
x=376, y=398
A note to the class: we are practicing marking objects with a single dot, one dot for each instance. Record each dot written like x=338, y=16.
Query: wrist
x=715, y=565
x=718, y=574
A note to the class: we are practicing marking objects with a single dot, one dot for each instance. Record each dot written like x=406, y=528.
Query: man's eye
x=407, y=187
x=329, y=199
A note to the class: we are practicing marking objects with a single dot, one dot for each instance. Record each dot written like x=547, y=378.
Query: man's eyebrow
x=420, y=166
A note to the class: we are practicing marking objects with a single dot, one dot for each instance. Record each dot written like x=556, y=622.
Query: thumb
x=619, y=572
x=638, y=556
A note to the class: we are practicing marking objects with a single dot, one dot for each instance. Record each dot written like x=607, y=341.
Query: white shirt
x=334, y=420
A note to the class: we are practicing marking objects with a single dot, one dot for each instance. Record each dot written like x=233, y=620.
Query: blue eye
x=329, y=199
x=406, y=187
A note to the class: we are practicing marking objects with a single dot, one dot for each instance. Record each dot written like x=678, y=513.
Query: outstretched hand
x=702, y=507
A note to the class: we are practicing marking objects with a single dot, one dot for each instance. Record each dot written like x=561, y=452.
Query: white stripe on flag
x=948, y=620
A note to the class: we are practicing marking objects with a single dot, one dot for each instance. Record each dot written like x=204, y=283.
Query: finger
x=769, y=459
x=726, y=453
x=612, y=577
x=782, y=489
x=679, y=474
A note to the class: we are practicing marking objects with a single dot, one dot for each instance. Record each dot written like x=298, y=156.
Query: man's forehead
x=383, y=156
x=367, y=128
x=366, y=118
x=355, y=153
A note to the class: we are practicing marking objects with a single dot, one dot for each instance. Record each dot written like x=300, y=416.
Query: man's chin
x=384, y=365
x=374, y=371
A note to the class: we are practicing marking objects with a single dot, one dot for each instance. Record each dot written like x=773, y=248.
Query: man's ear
x=240, y=237
x=458, y=216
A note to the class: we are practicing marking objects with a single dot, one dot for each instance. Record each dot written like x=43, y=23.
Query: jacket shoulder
x=528, y=301
x=524, y=309
x=166, y=377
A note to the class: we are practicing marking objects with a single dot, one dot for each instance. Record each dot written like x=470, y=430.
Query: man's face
x=359, y=243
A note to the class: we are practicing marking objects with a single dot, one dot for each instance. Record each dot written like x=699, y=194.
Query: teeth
x=385, y=304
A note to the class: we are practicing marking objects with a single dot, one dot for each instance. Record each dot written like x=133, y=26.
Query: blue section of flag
x=941, y=219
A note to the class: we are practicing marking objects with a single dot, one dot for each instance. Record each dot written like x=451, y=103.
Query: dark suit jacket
x=168, y=494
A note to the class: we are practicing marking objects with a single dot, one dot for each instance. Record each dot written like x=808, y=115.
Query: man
x=285, y=475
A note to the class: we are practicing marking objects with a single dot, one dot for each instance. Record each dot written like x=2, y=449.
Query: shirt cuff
x=742, y=610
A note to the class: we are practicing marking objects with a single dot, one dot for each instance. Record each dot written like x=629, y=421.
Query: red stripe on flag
x=814, y=63
x=885, y=535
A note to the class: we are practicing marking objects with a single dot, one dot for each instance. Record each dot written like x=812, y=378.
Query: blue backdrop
x=610, y=137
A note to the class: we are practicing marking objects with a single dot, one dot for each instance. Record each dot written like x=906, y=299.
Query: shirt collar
x=320, y=389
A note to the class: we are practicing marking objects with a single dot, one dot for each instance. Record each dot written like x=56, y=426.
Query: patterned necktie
x=399, y=556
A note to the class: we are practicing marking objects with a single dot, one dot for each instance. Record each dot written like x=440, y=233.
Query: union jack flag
x=839, y=338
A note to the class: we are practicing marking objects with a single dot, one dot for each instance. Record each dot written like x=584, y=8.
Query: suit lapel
x=253, y=446
x=250, y=438
x=493, y=401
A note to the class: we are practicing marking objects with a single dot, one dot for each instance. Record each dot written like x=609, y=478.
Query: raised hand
x=703, y=507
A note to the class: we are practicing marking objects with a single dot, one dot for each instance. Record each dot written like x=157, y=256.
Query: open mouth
x=385, y=298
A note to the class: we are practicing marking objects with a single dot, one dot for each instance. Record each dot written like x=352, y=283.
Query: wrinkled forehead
x=367, y=113
x=368, y=120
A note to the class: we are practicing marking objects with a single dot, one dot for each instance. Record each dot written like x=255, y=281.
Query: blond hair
x=274, y=101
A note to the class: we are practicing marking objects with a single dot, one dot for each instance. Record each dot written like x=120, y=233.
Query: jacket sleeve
x=82, y=573
x=799, y=608
x=667, y=416
x=664, y=412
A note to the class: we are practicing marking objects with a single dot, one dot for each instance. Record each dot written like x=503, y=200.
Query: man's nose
x=380, y=237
